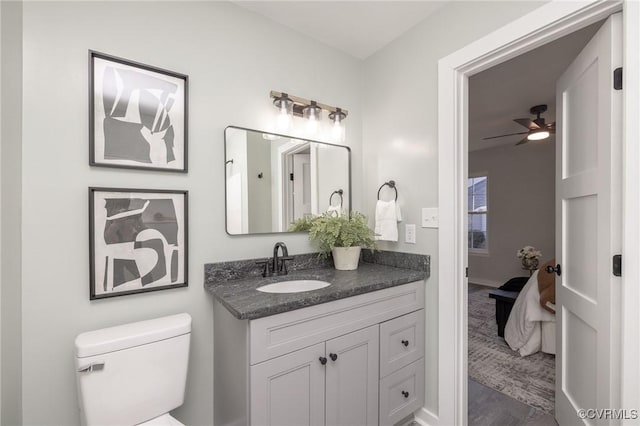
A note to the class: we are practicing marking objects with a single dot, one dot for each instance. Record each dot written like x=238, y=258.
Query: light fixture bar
x=300, y=103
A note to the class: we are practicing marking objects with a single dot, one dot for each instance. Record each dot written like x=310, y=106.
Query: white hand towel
x=387, y=217
x=335, y=211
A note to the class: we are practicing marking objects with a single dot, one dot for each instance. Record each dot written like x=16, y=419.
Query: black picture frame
x=151, y=135
x=138, y=240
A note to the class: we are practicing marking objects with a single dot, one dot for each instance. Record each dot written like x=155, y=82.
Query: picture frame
x=138, y=115
x=138, y=241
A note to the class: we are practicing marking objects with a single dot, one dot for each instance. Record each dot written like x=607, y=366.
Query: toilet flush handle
x=94, y=366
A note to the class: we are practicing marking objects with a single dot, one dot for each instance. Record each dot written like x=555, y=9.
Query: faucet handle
x=283, y=264
x=265, y=269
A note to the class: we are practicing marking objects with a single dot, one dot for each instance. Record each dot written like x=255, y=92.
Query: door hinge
x=290, y=176
x=617, y=78
x=466, y=272
x=617, y=265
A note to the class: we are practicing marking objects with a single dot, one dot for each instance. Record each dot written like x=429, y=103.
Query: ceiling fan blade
x=526, y=122
x=502, y=136
x=523, y=141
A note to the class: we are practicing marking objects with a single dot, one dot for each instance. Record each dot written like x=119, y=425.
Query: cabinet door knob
x=405, y=394
x=323, y=360
x=333, y=357
x=405, y=342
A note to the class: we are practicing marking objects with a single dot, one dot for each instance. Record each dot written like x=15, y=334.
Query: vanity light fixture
x=289, y=105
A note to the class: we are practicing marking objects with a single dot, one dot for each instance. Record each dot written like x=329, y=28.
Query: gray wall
x=521, y=208
x=400, y=127
x=10, y=226
x=218, y=45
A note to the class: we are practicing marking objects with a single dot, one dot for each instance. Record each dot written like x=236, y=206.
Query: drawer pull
x=333, y=357
x=405, y=394
x=323, y=360
x=405, y=343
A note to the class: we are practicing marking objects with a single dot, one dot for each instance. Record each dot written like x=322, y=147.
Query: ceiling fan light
x=538, y=135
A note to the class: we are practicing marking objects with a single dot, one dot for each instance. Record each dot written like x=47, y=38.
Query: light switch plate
x=430, y=217
x=410, y=234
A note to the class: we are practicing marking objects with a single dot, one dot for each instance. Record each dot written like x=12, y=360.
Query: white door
x=301, y=185
x=588, y=227
x=352, y=378
x=289, y=390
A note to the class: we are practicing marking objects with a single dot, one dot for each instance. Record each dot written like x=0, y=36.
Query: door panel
x=301, y=185
x=588, y=221
x=581, y=124
x=580, y=257
x=581, y=339
x=289, y=390
x=352, y=378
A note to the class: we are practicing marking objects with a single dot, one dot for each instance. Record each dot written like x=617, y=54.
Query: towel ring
x=391, y=184
x=339, y=192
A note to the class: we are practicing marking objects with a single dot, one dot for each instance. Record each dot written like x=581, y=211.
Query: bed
x=530, y=328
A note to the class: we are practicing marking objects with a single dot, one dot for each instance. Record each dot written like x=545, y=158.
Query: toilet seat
x=163, y=420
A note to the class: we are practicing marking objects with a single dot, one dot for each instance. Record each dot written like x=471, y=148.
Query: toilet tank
x=133, y=372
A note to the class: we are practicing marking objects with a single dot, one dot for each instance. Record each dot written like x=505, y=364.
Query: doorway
x=511, y=216
x=547, y=23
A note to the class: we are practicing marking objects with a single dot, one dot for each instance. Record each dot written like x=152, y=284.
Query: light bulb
x=338, y=130
x=312, y=113
x=284, y=120
x=312, y=125
x=285, y=112
x=539, y=135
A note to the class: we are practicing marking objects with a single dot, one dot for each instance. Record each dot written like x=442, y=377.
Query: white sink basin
x=295, y=286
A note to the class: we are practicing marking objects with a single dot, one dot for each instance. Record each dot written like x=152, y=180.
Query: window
x=477, y=215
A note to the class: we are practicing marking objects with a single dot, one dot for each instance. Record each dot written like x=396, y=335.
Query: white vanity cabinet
x=345, y=362
x=328, y=383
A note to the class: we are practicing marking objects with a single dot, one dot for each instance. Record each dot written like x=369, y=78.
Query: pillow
x=547, y=285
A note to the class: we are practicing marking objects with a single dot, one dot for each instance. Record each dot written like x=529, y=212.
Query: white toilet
x=133, y=374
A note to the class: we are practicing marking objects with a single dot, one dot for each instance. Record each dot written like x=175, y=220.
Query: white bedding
x=523, y=332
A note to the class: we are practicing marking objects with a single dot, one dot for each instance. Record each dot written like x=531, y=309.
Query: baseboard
x=488, y=283
x=425, y=417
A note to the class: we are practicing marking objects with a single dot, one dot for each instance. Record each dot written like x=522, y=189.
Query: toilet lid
x=163, y=420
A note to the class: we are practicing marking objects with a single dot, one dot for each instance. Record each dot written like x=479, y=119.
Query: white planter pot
x=346, y=258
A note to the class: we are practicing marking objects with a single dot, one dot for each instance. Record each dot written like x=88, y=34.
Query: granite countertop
x=237, y=291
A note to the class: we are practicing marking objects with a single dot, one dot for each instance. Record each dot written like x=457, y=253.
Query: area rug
x=492, y=363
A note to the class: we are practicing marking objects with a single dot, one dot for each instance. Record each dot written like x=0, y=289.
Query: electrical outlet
x=430, y=217
x=410, y=234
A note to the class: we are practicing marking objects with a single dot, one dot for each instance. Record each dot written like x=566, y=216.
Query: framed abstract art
x=138, y=240
x=137, y=115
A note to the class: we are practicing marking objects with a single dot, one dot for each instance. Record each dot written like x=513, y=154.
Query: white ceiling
x=509, y=90
x=359, y=28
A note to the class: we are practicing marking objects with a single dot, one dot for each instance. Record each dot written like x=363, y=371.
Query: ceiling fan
x=538, y=129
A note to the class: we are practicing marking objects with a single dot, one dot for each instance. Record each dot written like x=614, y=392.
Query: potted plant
x=342, y=236
x=530, y=258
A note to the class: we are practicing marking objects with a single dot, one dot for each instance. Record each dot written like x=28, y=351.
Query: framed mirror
x=272, y=180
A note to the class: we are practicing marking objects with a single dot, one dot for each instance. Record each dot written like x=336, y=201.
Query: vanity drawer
x=401, y=393
x=401, y=341
x=283, y=333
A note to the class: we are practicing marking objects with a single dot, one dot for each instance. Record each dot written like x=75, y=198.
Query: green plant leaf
x=328, y=231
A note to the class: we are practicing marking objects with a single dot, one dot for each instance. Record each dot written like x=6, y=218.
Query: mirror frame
x=224, y=159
